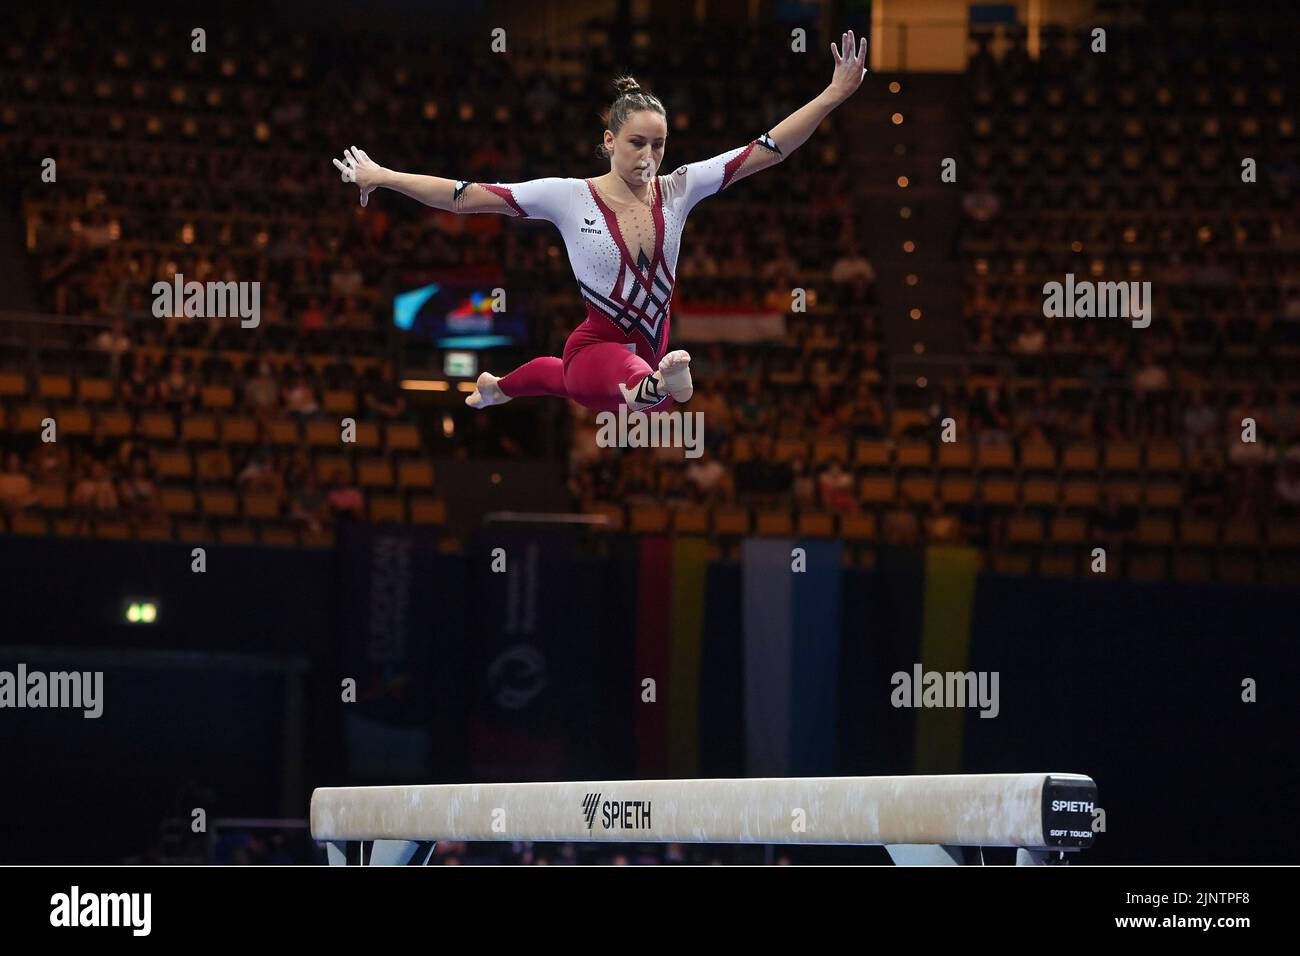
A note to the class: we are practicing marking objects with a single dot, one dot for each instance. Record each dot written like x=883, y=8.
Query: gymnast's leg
x=605, y=376
x=541, y=376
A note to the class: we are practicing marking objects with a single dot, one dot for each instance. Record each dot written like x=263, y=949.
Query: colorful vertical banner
x=530, y=702
x=383, y=605
x=690, y=578
x=672, y=576
x=945, y=647
x=791, y=655
x=653, y=654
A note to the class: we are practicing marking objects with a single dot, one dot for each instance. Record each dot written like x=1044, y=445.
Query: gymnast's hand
x=850, y=68
x=357, y=167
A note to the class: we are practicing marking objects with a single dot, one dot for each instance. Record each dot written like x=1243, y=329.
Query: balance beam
x=920, y=819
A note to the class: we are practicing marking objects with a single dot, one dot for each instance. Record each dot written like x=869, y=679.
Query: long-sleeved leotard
x=627, y=288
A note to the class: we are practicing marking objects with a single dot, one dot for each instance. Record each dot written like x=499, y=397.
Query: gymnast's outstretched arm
x=546, y=198
x=714, y=175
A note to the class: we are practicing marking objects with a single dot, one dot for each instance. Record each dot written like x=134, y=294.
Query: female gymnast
x=623, y=233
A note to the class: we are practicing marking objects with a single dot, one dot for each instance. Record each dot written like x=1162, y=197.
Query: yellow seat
x=872, y=453
x=386, y=508
x=877, y=489
x=1037, y=456
x=199, y=429
x=415, y=473
x=219, y=503
x=816, y=524
x=774, y=523
x=691, y=520
x=54, y=387
x=425, y=510
x=375, y=473
x=262, y=504
x=402, y=437
x=649, y=519
x=731, y=520
x=174, y=464
x=858, y=526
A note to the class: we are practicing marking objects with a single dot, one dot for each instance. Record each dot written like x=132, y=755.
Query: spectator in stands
x=870, y=363
x=312, y=319
x=177, y=391
x=865, y=416
x=835, y=485
x=133, y=447
x=1036, y=420
x=50, y=463
x=298, y=395
x=900, y=526
x=347, y=278
x=754, y=412
x=803, y=487
x=761, y=479
x=262, y=392
x=114, y=343
x=826, y=408
x=1114, y=522
x=1032, y=340
x=138, y=494
x=1200, y=422
x=779, y=269
x=343, y=499
x=699, y=263
x=297, y=469
x=16, y=490
x=383, y=395
x=1151, y=377
x=986, y=340
x=1287, y=488
x=990, y=417
x=778, y=297
x=260, y=472
x=1205, y=491
x=941, y=527
x=307, y=505
x=708, y=476
x=852, y=265
x=95, y=495
x=981, y=204
x=138, y=391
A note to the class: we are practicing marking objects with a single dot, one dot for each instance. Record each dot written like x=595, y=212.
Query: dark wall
x=1138, y=685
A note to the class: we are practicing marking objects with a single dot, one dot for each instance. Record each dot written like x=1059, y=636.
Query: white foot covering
x=676, y=370
x=672, y=380
x=486, y=392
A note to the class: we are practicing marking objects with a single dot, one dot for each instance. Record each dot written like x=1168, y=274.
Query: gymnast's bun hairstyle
x=631, y=99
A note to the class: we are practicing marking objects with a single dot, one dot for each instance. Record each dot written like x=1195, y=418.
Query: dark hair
x=631, y=99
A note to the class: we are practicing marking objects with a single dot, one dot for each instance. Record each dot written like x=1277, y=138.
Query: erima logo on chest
x=590, y=222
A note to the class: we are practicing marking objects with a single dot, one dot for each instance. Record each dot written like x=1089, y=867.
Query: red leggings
x=590, y=372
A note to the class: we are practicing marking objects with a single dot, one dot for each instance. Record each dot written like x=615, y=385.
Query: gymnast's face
x=638, y=148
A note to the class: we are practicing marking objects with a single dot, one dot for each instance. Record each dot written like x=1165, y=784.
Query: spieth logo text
x=616, y=814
